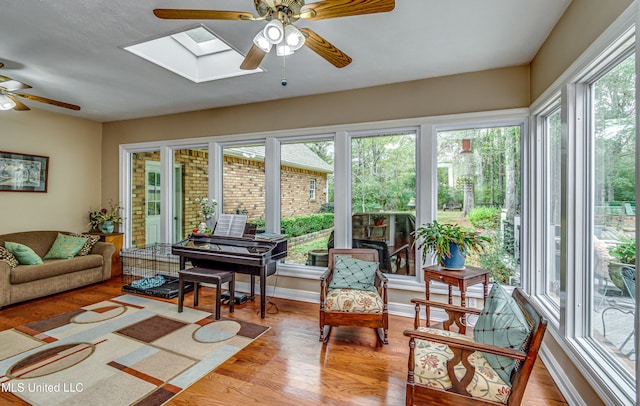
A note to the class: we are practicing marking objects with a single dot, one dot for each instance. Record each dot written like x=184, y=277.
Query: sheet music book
x=230, y=225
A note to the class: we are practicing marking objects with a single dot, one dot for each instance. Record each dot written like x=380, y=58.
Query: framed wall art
x=23, y=172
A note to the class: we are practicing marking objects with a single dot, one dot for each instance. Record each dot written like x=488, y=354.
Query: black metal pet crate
x=151, y=271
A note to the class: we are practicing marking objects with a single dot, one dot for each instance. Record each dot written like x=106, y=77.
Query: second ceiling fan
x=280, y=31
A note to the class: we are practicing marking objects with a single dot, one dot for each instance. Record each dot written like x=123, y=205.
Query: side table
x=116, y=239
x=461, y=278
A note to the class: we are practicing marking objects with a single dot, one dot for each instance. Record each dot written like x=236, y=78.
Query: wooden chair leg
x=218, y=299
x=232, y=292
x=382, y=335
x=180, y=293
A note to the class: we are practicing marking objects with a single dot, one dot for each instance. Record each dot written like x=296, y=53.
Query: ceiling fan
x=280, y=31
x=9, y=96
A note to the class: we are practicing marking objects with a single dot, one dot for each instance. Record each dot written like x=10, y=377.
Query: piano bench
x=199, y=275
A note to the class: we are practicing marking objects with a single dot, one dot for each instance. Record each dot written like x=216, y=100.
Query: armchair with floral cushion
x=353, y=292
x=492, y=367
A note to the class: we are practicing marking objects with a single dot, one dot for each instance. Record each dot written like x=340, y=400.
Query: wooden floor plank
x=287, y=365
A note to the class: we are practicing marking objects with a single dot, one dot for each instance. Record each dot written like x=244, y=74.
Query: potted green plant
x=378, y=219
x=623, y=254
x=105, y=219
x=449, y=242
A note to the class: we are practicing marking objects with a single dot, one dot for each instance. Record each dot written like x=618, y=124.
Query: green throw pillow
x=65, y=247
x=92, y=239
x=353, y=273
x=24, y=254
x=502, y=324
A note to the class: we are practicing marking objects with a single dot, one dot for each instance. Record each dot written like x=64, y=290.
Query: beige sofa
x=27, y=282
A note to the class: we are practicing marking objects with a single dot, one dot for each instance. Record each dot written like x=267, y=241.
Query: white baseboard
x=397, y=309
x=566, y=387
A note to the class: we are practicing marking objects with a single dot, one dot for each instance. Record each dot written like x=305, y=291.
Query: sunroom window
x=612, y=208
x=479, y=189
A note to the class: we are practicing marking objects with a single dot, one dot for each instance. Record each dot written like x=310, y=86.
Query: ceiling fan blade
x=325, y=49
x=177, y=14
x=11, y=85
x=253, y=59
x=20, y=106
x=345, y=8
x=48, y=101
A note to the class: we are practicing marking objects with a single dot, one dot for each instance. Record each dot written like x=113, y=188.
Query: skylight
x=196, y=54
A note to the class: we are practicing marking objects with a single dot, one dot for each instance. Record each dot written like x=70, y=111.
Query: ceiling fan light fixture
x=283, y=49
x=261, y=42
x=6, y=103
x=293, y=38
x=274, y=31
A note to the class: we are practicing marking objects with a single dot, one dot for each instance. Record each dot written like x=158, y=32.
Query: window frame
x=571, y=326
x=312, y=189
x=539, y=234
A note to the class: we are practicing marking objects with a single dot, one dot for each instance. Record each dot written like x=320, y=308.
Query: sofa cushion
x=92, y=239
x=502, y=324
x=353, y=273
x=24, y=254
x=8, y=257
x=65, y=247
x=54, y=267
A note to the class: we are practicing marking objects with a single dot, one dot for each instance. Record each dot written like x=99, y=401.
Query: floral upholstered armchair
x=353, y=292
x=492, y=367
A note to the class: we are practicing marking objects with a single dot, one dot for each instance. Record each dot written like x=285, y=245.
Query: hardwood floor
x=287, y=365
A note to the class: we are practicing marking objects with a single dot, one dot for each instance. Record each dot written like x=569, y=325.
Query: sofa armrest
x=106, y=250
x=5, y=283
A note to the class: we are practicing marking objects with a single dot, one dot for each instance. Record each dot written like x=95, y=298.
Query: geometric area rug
x=128, y=350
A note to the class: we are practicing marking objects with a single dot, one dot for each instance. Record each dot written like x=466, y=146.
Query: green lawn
x=298, y=254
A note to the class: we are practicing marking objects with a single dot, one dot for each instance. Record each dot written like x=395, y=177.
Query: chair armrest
x=455, y=343
x=380, y=283
x=461, y=350
x=326, y=275
x=457, y=314
x=403, y=248
x=325, y=279
x=381, y=279
x=446, y=306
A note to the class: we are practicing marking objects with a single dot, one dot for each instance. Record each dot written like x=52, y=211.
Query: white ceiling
x=72, y=50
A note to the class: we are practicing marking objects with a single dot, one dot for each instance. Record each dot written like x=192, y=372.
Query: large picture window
x=552, y=199
x=243, y=179
x=383, y=192
x=479, y=188
x=306, y=200
x=613, y=210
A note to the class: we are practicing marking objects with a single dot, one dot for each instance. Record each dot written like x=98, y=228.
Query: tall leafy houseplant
x=445, y=239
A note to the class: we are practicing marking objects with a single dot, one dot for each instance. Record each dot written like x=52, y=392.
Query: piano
x=244, y=255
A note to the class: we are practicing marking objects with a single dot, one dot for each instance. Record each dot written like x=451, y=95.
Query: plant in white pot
x=450, y=243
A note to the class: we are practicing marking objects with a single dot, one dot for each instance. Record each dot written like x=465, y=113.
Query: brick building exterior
x=244, y=184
